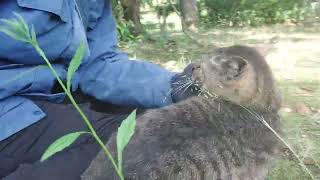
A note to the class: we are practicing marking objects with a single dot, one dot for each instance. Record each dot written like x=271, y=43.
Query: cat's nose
x=190, y=69
x=195, y=67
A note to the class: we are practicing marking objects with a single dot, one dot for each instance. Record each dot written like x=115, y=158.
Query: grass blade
x=16, y=27
x=75, y=63
x=13, y=34
x=24, y=25
x=33, y=35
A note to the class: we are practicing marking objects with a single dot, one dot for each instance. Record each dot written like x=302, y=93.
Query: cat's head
x=238, y=74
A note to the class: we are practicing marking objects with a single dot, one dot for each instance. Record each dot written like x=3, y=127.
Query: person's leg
x=20, y=154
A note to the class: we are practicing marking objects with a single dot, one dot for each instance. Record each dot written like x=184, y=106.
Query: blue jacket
x=106, y=73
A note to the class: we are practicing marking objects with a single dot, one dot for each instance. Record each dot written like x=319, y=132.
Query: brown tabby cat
x=216, y=135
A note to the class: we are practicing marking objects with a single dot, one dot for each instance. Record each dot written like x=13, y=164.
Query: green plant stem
x=93, y=132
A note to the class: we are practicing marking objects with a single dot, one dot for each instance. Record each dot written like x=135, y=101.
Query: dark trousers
x=20, y=154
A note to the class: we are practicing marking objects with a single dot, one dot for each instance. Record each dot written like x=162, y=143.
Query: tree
x=189, y=13
x=131, y=12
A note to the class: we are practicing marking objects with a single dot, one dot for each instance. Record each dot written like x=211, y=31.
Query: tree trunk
x=131, y=11
x=189, y=13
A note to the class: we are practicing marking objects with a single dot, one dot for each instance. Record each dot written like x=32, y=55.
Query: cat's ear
x=235, y=66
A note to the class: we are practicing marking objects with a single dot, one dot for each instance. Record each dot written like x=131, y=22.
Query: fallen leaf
x=303, y=94
x=303, y=109
x=309, y=161
x=306, y=88
x=286, y=109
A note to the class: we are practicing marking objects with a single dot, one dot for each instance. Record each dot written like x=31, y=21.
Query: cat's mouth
x=197, y=78
x=197, y=75
x=194, y=75
x=199, y=87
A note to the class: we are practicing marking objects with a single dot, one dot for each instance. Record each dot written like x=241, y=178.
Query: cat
x=218, y=134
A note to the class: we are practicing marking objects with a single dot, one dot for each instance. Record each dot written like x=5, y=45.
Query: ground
x=294, y=55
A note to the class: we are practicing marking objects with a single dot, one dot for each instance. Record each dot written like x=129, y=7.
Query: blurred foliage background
x=196, y=14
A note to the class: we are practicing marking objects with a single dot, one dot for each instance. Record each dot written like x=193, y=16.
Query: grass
x=295, y=60
x=302, y=131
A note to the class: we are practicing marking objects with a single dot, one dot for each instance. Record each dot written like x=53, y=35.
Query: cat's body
x=199, y=138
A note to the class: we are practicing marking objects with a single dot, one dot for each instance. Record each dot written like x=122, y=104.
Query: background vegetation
x=253, y=12
x=212, y=13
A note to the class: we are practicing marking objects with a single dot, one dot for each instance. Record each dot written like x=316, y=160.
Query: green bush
x=252, y=12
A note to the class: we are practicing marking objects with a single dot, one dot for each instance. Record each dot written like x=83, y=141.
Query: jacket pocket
x=17, y=113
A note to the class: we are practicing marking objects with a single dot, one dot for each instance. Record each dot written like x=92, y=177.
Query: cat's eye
x=217, y=60
x=233, y=65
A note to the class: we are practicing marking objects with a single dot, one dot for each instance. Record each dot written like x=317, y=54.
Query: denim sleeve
x=112, y=77
x=28, y=79
x=127, y=82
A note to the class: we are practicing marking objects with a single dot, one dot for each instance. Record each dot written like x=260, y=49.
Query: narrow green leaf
x=60, y=144
x=16, y=27
x=22, y=22
x=125, y=132
x=13, y=35
x=75, y=63
x=33, y=35
x=11, y=23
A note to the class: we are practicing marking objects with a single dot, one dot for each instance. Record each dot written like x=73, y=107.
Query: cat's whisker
x=186, y=83
x=197, y=88
x=173, y=91
x=207, y=93
x=187, y=87
x=182, y=81
x=182, y=87
x=168, y=94
x=201, y=91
